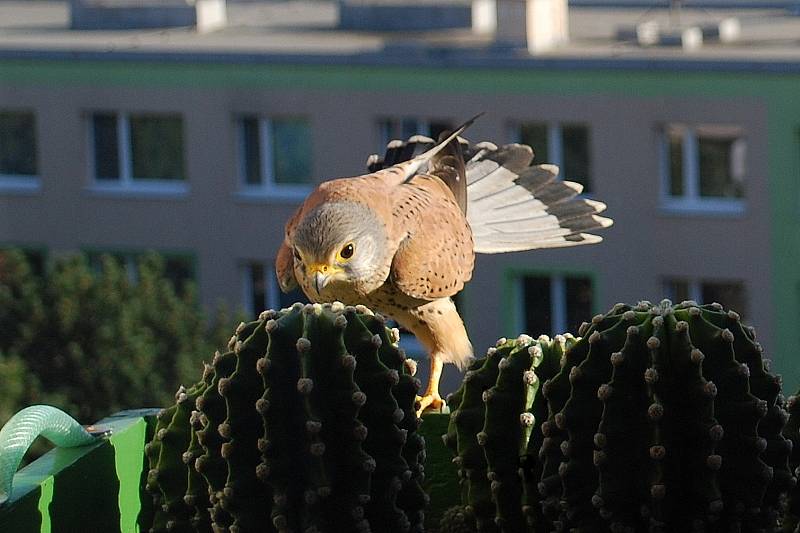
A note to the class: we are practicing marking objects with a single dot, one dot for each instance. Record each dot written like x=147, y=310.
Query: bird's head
x=339, y=248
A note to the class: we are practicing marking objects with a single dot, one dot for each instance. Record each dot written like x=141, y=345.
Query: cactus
x=660, y=418
x=180, y=495
x=306, y=424
x=791, y=520
x=496, y=416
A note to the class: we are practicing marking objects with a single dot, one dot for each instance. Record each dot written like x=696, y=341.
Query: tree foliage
x=94, y=342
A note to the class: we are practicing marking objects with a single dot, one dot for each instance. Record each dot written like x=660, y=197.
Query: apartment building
x=201, y=145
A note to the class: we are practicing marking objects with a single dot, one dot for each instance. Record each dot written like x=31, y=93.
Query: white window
x=554, y=304
x=18, y=165
x=275, y=156
x=141, y=152
x=731, y=294
x=566, y=145
x=260, y=289
x=703, y=168
x=402, y=128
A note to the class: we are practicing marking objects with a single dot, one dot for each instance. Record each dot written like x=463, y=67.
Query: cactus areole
x=306, y=424
x=660, y=418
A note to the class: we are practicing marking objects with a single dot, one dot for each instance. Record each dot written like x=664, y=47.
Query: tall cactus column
x=175, y=488
x=329, y=406
x=212, y=413
x=284, y=445
x=706, y=447
x=306, y=424
x=496, y=418
x=791, y=520
x=244, y=494
x=382, y=414
x=661, y=418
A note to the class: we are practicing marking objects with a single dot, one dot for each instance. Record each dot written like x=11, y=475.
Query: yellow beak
x=321, y=274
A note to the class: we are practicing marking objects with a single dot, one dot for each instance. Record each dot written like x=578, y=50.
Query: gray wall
x=644, y=245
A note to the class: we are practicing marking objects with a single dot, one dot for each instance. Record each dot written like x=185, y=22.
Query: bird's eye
x=346, y=252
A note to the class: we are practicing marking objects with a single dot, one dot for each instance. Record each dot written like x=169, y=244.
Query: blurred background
x=152, y=150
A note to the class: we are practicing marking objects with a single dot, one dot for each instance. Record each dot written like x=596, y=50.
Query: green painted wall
x=87, y=488
x=780, y=94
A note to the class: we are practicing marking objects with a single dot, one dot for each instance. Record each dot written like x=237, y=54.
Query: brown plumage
x=402, y=239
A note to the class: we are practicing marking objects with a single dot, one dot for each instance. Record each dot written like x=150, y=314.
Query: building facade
x=204, y=156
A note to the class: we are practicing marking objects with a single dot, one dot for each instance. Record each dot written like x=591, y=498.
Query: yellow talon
x=429, y=402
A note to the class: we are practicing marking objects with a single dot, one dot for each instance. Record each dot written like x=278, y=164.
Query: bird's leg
x=431, y=399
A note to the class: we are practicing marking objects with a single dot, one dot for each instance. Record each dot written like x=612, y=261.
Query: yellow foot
x=429, y=402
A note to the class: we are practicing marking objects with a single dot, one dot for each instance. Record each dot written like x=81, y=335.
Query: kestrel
x=402, y=239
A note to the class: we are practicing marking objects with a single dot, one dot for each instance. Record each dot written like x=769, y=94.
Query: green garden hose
x=19, y=433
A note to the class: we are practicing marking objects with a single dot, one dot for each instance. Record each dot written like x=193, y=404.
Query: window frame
x=385, y=124
x=271, y=297
x=272, y=291
x=695, y=285
x=268, y=188
x=691, y=202
x=513, y=292
x=24, y=183
x=555, y=148
x=127, y=183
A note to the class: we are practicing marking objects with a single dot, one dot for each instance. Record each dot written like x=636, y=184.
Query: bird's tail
x=512, y=206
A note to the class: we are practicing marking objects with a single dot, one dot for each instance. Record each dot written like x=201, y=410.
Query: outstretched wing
x=512, y=206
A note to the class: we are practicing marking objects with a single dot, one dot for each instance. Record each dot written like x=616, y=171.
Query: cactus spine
x=660, y=418
x=306, y=424
x=496, y=416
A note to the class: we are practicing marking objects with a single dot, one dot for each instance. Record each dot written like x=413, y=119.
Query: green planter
x=100, y=487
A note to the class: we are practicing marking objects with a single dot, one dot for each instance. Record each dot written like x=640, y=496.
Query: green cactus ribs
x=791, y=519
x=305, y=424
x=495, y=421
x=659, y=418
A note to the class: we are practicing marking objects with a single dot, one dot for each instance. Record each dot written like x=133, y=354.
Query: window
x=275, y=153
x=731, y=294
x=261, y=290
x=178, y=268
x=137, y=151
x=18, y=149
x=563, y=144
x=703, y=167
x=555, y=304
x=404, y=127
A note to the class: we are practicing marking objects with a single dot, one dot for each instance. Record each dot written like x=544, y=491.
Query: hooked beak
x=321, y=275
x=320, y=280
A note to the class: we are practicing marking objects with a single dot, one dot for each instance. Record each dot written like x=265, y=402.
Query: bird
x=402, y=238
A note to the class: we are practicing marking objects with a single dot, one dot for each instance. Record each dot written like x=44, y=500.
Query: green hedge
x=92, y=341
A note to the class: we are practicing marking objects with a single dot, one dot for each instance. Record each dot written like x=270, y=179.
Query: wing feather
x=559, y=242
x=435, y=256
x=284, y=269
x=512, y=206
